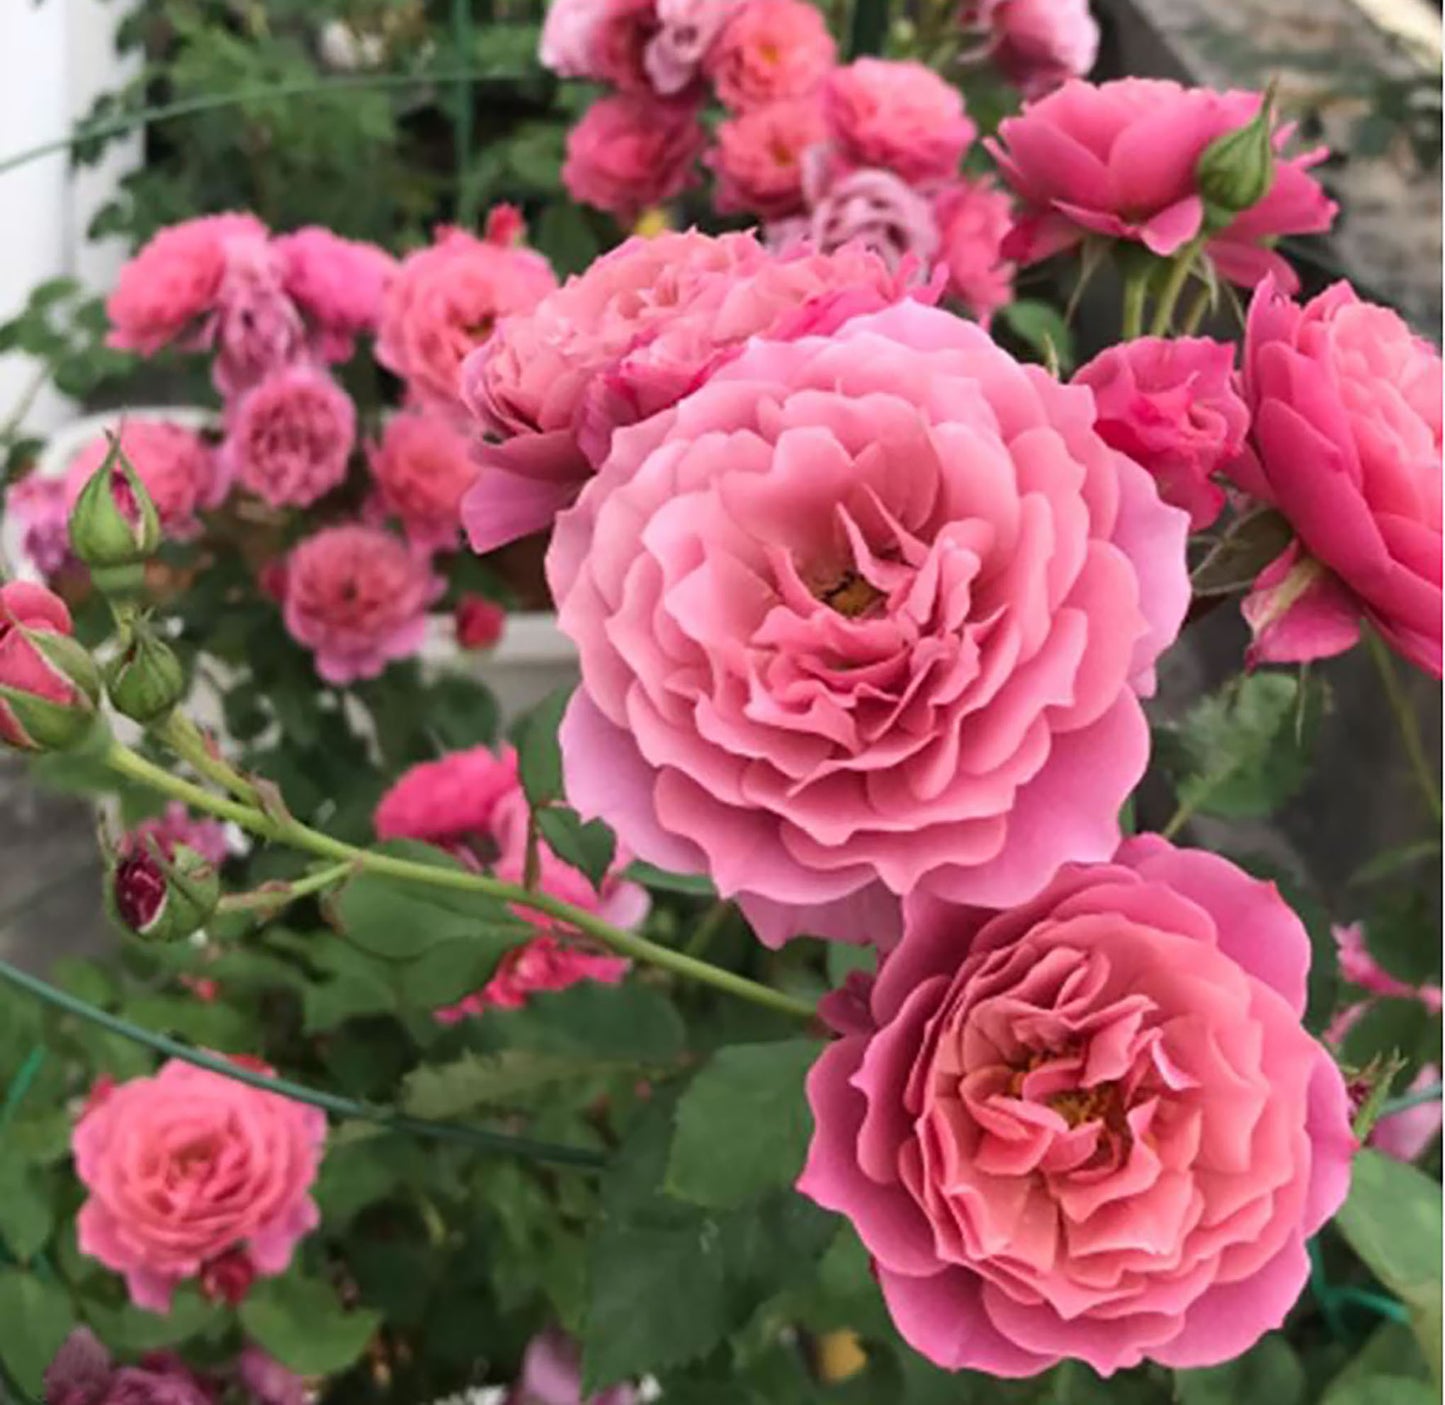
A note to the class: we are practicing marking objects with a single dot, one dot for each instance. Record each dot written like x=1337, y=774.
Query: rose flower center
x=851, y=595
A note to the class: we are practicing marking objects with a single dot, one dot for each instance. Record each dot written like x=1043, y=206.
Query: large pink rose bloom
x=770, y=50
x=898, y=115
x=167, y=290
x=444, y=301
x=759, y=158
x=423, y=466
x=630, y=152
x=357, y=598
x=1090, y=1127
x=1346, y=443
x=1172, y=405
x=175, y=464
x=1037, y=44
x=337, y=283
x=290, y=438
x=866, y=613
x=974, y=217
x=642, y=326
x=1119, y=159
x=188, y=1168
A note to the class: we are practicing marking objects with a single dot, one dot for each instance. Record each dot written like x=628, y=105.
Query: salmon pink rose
x=865, y=613
x=188, y=1167
x=1089, y=1127
x=1346, y=443
x=423, y=466
x=357, y=597
x=1172, y=406
x=642, y=326
x=759, y=158
x=974, y=217
x=1120, y=159
x=630, y=152
x=770, y=50
x=900, y=116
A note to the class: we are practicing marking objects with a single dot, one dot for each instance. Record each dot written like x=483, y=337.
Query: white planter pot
x=532, y=659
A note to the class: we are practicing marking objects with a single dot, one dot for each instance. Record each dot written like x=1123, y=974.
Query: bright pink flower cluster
x=640, y=328
x=192, y=1175
x=471, y=804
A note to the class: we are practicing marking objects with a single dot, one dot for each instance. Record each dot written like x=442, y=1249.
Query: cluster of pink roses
x=471, y=804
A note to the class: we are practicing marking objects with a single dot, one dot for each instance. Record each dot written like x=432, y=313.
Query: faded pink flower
x=187, y=1166
x=257, y=327
x=865, y=613
x=770, y=50
x=879, y=211
x=267, y=1382
x=357, y=597
x=1406, y=1135
x=630, y=152
x=1346, y=443
x=450, y=802
x=568, y=44
x=422, y=466
x=1173, y=406
x=1089, y=1127
x=642, y=326
x=176, y=825
x=168, y=290
x=974, y=218
x=177, y=467
x=1037, y=44
x=1119, y=159
x=688, y=28
x=83, y=1373
x=40, y=509
x=445, y=300
x=552, y=1375
x=900, y=116
x=289, y=440
x=759, y=158
x=337, y=283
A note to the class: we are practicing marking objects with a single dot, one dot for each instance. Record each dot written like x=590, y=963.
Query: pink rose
x=175, y=464
x=176, y=825
x=1173, y=407
x=898, y=115
x=770, y=50
x=187, y=1166
x=552, y=1375
x=423, y=465
x=1405, y=1135
x=880, y=211
x=83, y=1373
x=1090, y=1127
x=676, y=53
x=1346, y=443
x=31, y=610
x=450, y=802
x=568, y=44
x=289, y=440
x=1037, y=44
x=537, y=967
x=257, y=327
x=267, y=1381
x=40, y=510
x=973, y=218
x=759, y=158
x=357, y=598
x=1360, y=968
x=479, y=622
x=866, y=613
x=631, y=152
x=621, y=41
x=1119, y=159
x=444, y=301
x=641, y=327
x=337, y=283
x=170, y=287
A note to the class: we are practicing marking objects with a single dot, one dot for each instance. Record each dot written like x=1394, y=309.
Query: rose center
x=851, y=595
x=1098, y=1104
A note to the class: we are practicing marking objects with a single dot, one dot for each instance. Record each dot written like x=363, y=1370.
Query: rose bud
x=114, y=526
x=49, y=686
x=145, y=680
x=1236, y=170
x=479, y=622
x=160, y=898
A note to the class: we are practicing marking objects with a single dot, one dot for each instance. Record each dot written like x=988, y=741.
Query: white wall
x=56, y=57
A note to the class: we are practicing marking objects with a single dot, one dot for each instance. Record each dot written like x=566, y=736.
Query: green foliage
x=1270, y=1372
x=539, y=757
x=36, y=1317
x=303, y=1325
x=589, y=847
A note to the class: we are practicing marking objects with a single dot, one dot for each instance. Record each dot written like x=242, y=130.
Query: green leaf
x=26, y=1219
x=589, y=847
x=743, y=1124
x=695, y=885
x=446, y=973
x=35, y=1319
x=508, y=1079
x=130, y=1330
x=1381, y=1390
x=617, y=1023
x=1392, y=1220
x=357, y=1174
x=1040, y=326
x=303, y=1325
x=1243, y=752
x=539, y=757
x=1395, y=861
x=1269, y=1372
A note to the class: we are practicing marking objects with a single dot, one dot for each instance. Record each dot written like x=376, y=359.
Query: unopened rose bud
x=114, y=526
x=162, y=898
x=479, y=622
x=145, y=680
x=1236, y=170
x=49, y=686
